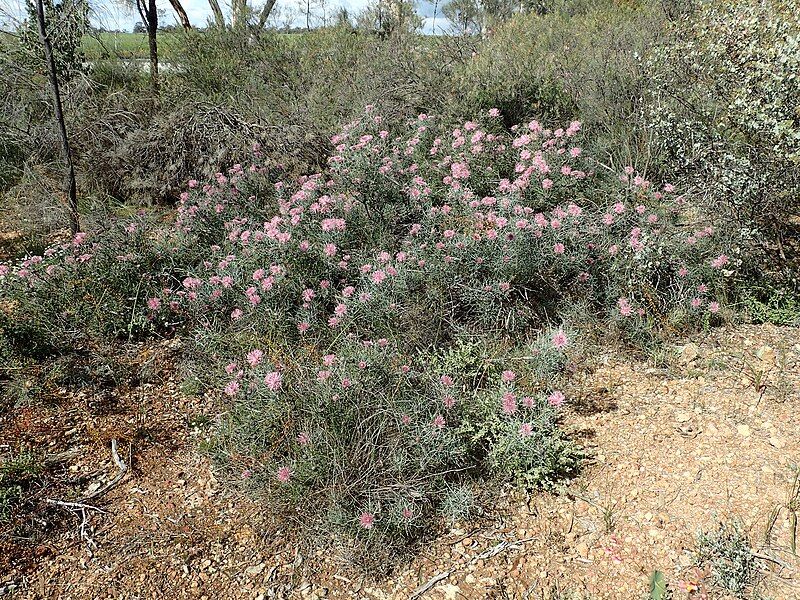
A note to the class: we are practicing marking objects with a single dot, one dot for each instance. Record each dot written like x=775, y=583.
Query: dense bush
x=725, y=101
x=580, y=59
x=347, y=317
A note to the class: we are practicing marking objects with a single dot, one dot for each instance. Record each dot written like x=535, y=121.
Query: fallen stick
x=74, y=505
x=123, y=469
x=429, y=584
x=493, y=551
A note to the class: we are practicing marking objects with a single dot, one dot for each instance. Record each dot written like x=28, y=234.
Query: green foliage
x=66, y=23
x=16, y=473
x=771, y=305
x=658, y=586
x=576, y=60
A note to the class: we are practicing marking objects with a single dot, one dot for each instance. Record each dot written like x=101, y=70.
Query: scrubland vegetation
x=386, y=255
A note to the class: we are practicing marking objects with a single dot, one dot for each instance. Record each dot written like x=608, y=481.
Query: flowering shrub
x=348, y=316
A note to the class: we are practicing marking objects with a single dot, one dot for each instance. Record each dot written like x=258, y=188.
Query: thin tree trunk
x=265, y=12
x=149, y=14
x=219, y=17
x=152, y=42
x=72, y=194
x=182, y=16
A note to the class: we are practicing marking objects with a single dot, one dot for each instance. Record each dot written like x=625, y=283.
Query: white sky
x=114, y=14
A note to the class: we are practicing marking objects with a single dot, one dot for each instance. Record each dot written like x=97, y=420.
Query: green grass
x=128, y=46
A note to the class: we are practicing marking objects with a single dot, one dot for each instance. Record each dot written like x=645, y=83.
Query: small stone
x=449, y=591
x=470, y=578
x=743, y=430
x=683, y=417
x=776, y=442
x=766, y=354
x=688, y=353
x=582, y=549
x=254, y=570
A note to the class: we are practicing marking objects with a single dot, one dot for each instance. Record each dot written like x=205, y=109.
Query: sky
x=115, y=15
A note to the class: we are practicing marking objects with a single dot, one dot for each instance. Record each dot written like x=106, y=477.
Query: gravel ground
x=674, y=451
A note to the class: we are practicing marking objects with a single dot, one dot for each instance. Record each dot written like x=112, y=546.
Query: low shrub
x=386, y=331
x=728, y=555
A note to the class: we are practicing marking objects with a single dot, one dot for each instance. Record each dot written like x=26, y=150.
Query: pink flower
x=528, y=402
x=284, y=474
x=558, y=248
x=366, y=520
x=273, y=380
x=446, y=380
x=696, y=302
x=236, y=314
x=330, y=249
x=547, y=184
x=713, y=307
x=328, y=359
x=438, y=421
x=560, y=339
x=556, y=398
x=254, y=357
x=509, y=403
x=624, y=307
x=508, y=376
x=303, y=438
x=378, y=276
x=230, y=368
x=526, y=430
x=154, y=303
x=303, y=326
x=232, y=388
x=720, y=261
x=407, y=513
x=449, y=401
x=323, y=375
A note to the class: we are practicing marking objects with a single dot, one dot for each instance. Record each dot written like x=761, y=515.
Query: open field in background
x=127, y=45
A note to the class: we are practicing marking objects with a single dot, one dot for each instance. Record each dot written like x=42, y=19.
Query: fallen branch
x=493, y=551
x=429, y=584
x=82, y=507
x=74, y=505
x=123, y=469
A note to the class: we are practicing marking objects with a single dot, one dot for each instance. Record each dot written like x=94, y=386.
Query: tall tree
x=266, y=10
x=182, y=16
x=216, y=10
x=72, y=194
x=149, y=13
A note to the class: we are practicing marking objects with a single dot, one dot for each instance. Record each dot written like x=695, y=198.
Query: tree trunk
x=219, y=17
x=152, y=42
x=149, y=14
x=265, y=12
x=182, y=16
x=72, y=195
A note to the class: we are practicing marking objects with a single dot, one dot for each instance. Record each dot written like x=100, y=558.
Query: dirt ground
x=675, y=451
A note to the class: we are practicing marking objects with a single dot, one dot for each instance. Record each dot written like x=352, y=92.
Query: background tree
x=66, y=23
x=52, y=73
x=465, y=15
